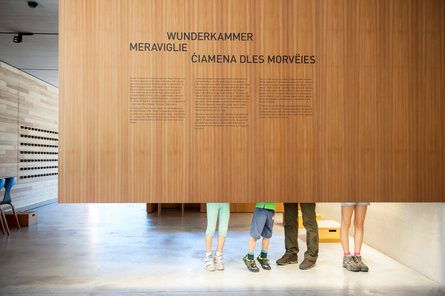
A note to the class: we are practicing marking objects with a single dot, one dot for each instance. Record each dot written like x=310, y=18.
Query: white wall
x=411, y=233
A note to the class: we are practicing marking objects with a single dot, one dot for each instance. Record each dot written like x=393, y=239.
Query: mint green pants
x=215, y=211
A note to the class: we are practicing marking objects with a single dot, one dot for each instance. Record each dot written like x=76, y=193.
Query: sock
x=356, y=254
x=209, y=254
x=348, y=254
x=263, y=254
x=250, y=256
x=218, y=254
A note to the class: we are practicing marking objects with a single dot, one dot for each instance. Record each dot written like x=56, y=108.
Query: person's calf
x=252, y=244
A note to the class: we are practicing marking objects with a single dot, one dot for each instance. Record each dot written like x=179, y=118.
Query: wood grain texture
x=373, y=132
x=382, y=126
x=106, y=158
x=28, y=142
x=8, y=120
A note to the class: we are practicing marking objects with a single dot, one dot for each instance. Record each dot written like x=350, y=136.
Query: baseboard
x=36, y=205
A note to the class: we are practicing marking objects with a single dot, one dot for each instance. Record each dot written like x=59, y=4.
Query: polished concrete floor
x=109, y=249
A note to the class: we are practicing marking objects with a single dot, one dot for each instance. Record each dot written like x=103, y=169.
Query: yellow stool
x=328, y=231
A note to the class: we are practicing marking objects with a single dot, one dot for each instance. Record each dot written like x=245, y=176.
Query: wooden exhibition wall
x=29, y=137
x=358, y=120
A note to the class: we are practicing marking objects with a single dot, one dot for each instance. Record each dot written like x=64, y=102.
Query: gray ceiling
x=37, y=55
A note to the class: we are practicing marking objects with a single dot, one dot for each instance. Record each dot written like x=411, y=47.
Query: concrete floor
x=111, y=249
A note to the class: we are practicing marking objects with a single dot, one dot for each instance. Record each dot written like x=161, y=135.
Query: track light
x=33, y=4
x=17, y=38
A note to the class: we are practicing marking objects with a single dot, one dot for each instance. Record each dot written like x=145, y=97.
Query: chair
x=9, y=183
x=2, y=183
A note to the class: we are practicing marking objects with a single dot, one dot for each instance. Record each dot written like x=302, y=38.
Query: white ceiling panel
x=38, y=54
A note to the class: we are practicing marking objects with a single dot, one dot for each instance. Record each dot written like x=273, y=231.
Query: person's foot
x=250, y=263
x=287, y=259
x=350, y=264
x=209, y=263
x=264, y=262
x=363, y=267
x=307, y=264
x=219, y=264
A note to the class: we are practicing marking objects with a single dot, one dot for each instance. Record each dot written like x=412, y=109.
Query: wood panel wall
x=29, y=138
x=383, y=94
x=372, y=129
x=8, y=120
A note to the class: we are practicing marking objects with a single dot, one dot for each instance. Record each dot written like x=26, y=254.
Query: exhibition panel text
x=250, y=100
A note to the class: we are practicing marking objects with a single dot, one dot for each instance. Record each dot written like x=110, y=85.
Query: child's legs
x=223, y=216
x=221, y=241
x=212, y=215
x=346, y=214
x=265, y=244
x=209, y=239
x=267, y=229
x=252, y=243
x=256, y=227
x=359, y=219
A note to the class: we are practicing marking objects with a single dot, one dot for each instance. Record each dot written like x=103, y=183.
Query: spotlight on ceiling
x=33, y=4
x=17, y=38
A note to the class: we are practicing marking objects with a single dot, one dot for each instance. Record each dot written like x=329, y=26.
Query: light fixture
x=33, y=4
x=17, y=38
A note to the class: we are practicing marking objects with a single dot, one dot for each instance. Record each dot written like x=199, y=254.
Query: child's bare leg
x=346, y=214
x=221, y=241
x=252, y=243
x=265, y=244
x=359, y=219
x=209, y=239
x=262, y=258
x=249, y=259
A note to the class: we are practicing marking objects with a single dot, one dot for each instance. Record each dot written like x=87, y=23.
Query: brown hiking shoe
x=287, y=259
x=307, y=264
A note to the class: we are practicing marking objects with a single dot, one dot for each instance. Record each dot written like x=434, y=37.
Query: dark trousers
x=291, y=229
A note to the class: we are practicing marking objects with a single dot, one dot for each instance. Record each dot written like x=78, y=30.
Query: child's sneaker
x=363, y=267
x=209, y=262
x=264, y=262
x=219, y=262
x=250, y=264
x=350, y=264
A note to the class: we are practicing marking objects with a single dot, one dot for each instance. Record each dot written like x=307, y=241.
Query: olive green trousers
x=291, y=229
